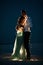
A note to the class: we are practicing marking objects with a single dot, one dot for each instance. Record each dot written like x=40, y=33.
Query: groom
x=27, y=32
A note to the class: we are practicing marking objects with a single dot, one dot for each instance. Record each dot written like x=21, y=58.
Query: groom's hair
x=24, y=12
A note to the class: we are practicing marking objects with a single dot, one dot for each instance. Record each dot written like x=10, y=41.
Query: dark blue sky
x=10, y=10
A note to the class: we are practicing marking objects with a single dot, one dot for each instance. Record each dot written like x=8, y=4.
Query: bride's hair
x=21, y=20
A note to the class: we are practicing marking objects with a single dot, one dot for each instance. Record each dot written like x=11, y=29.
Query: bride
x=19, y=50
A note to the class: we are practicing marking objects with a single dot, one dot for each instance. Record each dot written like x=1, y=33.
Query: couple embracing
x=21, y=48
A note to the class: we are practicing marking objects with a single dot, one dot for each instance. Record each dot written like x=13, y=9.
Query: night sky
x=10, y=10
